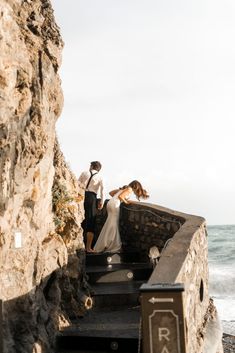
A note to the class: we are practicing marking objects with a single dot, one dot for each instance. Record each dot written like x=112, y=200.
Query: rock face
x=39, y=232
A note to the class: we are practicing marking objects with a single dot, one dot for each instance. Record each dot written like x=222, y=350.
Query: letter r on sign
x=163, y=333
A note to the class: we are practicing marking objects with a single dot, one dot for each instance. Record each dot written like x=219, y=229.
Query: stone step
x=116, y=294
x=107, y=258
x=119, y=273
x=103, y=331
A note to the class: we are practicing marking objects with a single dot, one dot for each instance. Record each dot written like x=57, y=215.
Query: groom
x=92, y=183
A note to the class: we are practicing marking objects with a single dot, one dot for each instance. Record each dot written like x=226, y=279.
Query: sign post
x=163, y=318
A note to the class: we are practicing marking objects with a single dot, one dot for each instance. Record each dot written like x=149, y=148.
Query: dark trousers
x=90, y=203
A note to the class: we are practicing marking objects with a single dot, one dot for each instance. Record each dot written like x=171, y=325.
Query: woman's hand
x=130, y=202
x=100, y=205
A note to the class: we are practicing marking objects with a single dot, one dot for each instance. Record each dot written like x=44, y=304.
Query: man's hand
x=99, y=206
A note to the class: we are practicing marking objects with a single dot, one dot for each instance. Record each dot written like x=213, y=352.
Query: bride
x=109, y=239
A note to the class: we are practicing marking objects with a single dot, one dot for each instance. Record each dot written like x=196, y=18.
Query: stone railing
x=142, y=226
x=179, y=286
x=176, y=307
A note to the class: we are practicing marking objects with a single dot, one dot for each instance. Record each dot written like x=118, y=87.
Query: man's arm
x=101, y=202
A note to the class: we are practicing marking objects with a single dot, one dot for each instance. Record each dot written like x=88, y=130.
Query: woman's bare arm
x=124, y=195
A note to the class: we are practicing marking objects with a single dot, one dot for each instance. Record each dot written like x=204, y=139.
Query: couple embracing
x=109, y=238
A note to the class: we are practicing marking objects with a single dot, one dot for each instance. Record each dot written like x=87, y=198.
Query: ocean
x=221, y=253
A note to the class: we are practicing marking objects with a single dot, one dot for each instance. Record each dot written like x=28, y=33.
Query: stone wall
x=39, y=277
x=185, y=261
x=141, y=227
x=195, y=276
x=182, y=242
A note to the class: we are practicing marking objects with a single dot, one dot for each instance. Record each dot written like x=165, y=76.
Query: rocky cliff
x=40, y=209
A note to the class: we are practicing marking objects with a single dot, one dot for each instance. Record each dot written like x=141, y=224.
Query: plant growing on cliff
x=64, y=206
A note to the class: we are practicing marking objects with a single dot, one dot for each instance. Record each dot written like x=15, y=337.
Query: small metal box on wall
x=163, y=318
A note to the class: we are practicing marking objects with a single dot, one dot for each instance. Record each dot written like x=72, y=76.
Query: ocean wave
x=225, y=308
x=221, y=285
x=228, y=327
x=218, y=228
x=223, y=271
x=221, y=261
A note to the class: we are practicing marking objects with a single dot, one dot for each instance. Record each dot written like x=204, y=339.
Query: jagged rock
x=34, y=252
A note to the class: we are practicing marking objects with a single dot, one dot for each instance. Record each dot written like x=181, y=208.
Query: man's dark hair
x=96, y=165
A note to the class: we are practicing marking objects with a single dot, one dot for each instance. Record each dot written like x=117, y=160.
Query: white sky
x=149, y=90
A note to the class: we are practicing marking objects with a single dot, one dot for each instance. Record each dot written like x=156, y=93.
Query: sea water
x=221, y=253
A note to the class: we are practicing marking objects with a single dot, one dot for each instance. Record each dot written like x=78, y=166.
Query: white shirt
x=95, y=185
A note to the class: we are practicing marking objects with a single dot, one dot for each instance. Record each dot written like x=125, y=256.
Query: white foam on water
x=229, y=327
x=222, y=273
x=222, y=287
x=225, y=307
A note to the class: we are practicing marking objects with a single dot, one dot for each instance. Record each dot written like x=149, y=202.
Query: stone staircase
x=113, y=324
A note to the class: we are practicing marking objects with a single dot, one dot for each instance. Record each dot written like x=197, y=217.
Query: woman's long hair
x=138, y=190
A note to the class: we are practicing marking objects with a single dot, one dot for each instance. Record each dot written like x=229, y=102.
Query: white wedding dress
x=109, y=239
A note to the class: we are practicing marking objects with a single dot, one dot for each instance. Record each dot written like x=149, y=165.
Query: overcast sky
x=149, y=90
